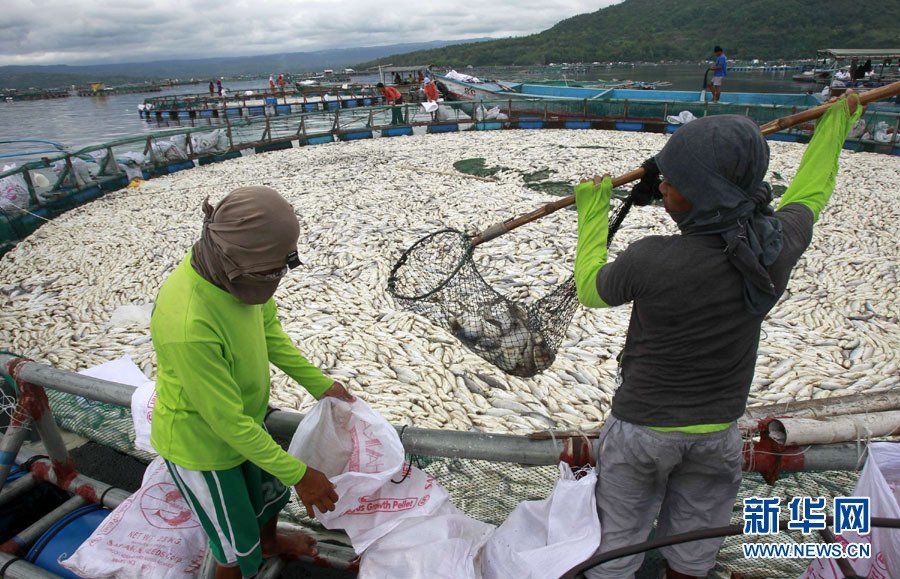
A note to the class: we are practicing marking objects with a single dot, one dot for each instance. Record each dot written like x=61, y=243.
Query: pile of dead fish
x=361, y=204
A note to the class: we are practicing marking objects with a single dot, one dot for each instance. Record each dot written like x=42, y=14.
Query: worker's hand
x=589, y=192
x=315, y=490
x=647, y=189
x=852, y=98
x=337, y=390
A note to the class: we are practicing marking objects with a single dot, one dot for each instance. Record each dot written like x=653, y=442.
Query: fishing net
x=437, y=278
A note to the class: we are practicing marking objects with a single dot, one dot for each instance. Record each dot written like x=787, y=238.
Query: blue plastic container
x=64, y=537
x=283, y=110
x=310, y=106
x=233, y=112
x=578, y=125
x=355, y=135
x=367, y=102
x=256, y=111
x=530, y=124
x=184, y=114
x=332, y=105
x=488, y=126
x=625, y=126
x=670, y=128
x=206, y=114
x=319, y=140
x=271, y=101
x=447, y=128
x=351, y=103
x=396, y=132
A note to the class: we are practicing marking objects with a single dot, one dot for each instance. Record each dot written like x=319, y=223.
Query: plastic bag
x=544, y=539
x=361, y=453
x=682, y=118
x=444, y=545
x=142, y=402
x=14, y=197
x=494, y=114
x=880, y=480
x=210, y=143
x=167, y=151
x=153, y=534
x=83, y=172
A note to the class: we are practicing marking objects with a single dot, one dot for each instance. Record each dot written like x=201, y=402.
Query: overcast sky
x=103, y=31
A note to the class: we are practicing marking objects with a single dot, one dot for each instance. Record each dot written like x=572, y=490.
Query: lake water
x=80, y=121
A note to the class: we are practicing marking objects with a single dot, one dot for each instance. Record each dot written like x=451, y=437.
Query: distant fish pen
x=33, y=95
x=39, y=190
x=89, y=91
x=260, y=102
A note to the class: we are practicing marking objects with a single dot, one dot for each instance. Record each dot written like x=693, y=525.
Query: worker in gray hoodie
x=671, y=447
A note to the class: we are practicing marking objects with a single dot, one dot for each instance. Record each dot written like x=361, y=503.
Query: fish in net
x=437, y=278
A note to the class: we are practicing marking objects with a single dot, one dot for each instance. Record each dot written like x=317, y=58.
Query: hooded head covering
x=245, y=243
x=718, y=164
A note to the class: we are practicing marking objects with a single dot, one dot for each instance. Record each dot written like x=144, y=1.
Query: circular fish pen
x=74, y=294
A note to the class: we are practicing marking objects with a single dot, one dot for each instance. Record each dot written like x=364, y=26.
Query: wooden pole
x=775, y=126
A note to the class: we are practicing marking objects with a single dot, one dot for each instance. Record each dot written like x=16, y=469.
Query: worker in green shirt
x=215, y=330
x=671, y=448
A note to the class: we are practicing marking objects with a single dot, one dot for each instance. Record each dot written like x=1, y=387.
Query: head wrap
x=250, y=232
x=718, y=164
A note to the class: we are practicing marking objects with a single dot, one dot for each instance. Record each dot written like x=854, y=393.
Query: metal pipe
x=11, y=567
x=444, y=443
x=25, y=538
x=85, y=487
x=18, y=488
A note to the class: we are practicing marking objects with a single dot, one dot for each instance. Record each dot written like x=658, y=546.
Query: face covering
x=718, y=163
x=245, y=242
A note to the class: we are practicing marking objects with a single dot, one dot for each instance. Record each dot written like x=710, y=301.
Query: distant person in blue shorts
x=720, y=70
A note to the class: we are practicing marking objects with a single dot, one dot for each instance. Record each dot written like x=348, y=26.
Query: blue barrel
x=256, y=111
x=530, y=124
x=578, y=125
x=310, y=106
x=283, y=109
x=488, y=126
x=233, y=112
x=351, y=103
x=627, y=126
x=206, y=114
x=355, y=135
x=396, y=131
x=64, y=538
x=367, y=102
x=271, y=101
x=332, y=105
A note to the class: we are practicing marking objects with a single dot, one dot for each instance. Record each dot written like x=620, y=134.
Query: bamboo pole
x=499, y=229
x=882, y=401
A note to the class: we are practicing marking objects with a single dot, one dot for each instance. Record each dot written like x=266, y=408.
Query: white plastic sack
x=430, y=106
x=544, y=539
x=14, y=197
x=682, y=118
x=880, y=480
x=360, y=453
x=210, y=143
x=883, y=132
x=83, y=172
x=142, y=402
x=152, y=535
x=443, y=545
x=122, y=370
x=494, y=114
x=453, y=75
x=166, y=151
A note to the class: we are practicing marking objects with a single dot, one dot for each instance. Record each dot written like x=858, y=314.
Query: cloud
x=95, y=31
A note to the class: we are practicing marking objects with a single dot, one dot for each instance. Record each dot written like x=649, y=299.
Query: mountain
x=61, y=75
x=654, y=30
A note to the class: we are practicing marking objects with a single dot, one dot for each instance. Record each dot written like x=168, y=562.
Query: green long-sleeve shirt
x=213, y=354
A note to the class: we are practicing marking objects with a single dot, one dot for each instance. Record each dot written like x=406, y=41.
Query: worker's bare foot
x=291, y=545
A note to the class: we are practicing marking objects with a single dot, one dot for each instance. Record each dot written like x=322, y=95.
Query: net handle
x=774, y=126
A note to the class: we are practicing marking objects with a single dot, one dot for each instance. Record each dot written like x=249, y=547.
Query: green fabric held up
x=592, y=203
x=213, y=354
x=815, y=179
x=694, y=428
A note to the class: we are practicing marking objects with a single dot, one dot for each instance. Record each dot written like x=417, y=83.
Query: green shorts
x=232, y=506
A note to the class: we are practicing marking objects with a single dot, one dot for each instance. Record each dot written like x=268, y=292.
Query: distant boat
x=496, y=90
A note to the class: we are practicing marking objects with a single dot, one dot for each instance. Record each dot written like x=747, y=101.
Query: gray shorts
x=717, y=80
x=690, y=480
